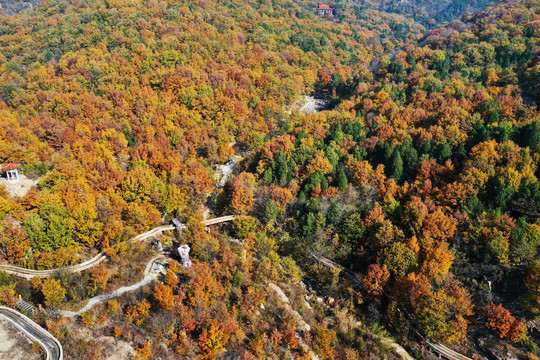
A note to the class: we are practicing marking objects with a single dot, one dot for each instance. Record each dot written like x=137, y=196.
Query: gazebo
x=12, y=172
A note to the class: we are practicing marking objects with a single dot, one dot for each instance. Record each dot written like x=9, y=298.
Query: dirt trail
x=397, y=348
x=301, y=324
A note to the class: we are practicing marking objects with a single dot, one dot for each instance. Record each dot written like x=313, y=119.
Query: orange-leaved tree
x=376, y=278
x=211, y=340
x=99, y=277
x=501, y=321
x=144, y=352
x=164, y=296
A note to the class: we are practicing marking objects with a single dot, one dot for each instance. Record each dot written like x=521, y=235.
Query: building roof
x=324, y=7
x=10, y=166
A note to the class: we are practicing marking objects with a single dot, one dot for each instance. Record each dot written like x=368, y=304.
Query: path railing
x=34, y=332
x=438, y=348
x=90, y=263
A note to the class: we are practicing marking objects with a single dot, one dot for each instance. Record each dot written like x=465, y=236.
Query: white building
x=183, y=253
x=12, y=172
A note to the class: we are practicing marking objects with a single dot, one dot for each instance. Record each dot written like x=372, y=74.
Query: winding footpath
x=90, y=263
x=440, y=349
x=53, y=348
x=34, y=332
x=30, y=274
x=148, y=277
x=47, y=341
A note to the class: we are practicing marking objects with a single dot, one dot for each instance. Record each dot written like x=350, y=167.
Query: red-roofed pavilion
x=324, y=9
x=12, y=172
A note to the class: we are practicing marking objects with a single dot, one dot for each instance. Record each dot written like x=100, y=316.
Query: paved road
x=35, y=332
x=44, y=338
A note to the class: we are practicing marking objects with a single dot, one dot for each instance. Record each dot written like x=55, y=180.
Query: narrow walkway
x=90, y=263
x=356, y=278
x=148, y=277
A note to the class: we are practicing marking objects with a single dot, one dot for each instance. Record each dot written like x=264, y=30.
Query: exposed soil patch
x=119, y=350
x=14, y=345
x=313, y=105
x=18, y=187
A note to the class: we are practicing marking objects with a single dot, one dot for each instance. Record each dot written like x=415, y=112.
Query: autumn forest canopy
x=419, y=177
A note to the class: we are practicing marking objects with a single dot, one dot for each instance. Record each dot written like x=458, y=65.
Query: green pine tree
x=395, y=168
x=270, y=211
x=342, y=182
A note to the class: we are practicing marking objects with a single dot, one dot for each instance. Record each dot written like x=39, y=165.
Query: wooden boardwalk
x=90, y=263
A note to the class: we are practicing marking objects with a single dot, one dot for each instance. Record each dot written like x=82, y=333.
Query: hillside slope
x=419, y=183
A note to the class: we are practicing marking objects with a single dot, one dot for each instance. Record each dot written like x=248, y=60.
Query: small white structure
x=183, y=253
x=12, y=172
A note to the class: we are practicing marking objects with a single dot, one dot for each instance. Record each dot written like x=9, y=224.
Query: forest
x=405, y=213
x=431, y=13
